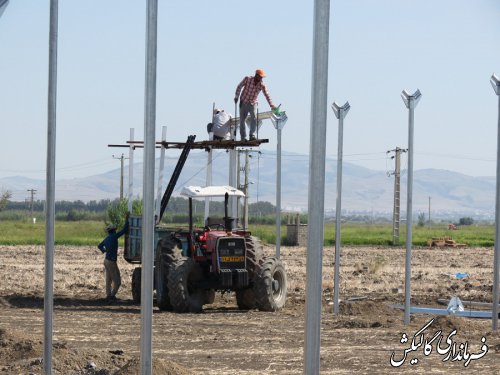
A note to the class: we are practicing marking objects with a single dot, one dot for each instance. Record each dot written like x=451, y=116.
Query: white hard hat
x=110, y=227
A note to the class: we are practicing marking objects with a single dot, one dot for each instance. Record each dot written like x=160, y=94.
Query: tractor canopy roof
x=210, y=191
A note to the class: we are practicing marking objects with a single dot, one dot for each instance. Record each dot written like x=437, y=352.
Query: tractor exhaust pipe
x=228, y=221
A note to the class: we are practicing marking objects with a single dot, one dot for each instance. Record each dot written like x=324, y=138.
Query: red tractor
x=191, y=264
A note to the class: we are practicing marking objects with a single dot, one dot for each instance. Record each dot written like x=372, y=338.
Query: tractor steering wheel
x=218, y=226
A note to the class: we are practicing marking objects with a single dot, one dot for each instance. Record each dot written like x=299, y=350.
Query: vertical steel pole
x=160, y=174
x=340, y=113
x=148, y=190
x=316, y=195
x=279, y=121
x=233, y=206
x=209, y=165
x=495, y=82
x=409, y=219
x=3, y=5
x=278, y=193
x=48, y=305
x=208, y=181
x=122, y=158
x=131, y=171
x=238, y=183
x=410, y=102
x=245, y=200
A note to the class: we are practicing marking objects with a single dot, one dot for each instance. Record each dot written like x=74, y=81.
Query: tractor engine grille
x=231, y=253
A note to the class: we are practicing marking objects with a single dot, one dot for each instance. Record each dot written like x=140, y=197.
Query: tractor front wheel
x=183, y=279
x=209, y=297
x=271, y=285
x=245, y=299
x=166, y=254
x=136, y=285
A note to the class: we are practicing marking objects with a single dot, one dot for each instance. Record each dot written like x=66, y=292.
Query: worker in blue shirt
x=109, y=246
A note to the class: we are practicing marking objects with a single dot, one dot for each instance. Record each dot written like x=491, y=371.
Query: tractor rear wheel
x=136, y=285
x=255, y=253
x=183, y=279
x=166, y=253
x=209, y=297
x=271, y=285
x=245, y=298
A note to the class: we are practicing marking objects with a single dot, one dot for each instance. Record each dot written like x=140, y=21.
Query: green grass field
x=381, y=234
x=92, y=232
x=66, y=233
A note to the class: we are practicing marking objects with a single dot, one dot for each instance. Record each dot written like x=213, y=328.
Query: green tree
x=421, y=219
x=261, y=208
x=118, y=209
x=466, y=221
x=4, y=199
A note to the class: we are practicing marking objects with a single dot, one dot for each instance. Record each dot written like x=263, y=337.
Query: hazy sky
x=446, y=48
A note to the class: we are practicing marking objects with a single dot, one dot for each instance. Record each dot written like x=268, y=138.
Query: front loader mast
x=175, y=175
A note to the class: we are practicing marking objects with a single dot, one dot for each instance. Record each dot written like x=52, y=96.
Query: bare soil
x=92, y=336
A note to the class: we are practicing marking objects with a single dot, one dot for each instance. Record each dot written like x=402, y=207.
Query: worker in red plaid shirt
x=252, y=86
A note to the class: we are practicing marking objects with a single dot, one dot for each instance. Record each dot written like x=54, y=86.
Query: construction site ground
x=92, y=336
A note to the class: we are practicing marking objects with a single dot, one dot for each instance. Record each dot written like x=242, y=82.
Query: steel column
x=131, y=172
x=148, y=222
x=340, y=113
x=411, y=102
x=159, y=190
x=233, y=206
x=316, y=195
x=279, y=121
x=48, y=303
x=495, y=82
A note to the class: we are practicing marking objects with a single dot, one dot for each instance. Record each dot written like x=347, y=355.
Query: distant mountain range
x=364, y=191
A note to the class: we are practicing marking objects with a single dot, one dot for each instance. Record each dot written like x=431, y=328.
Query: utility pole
x=429, y=212
x=397, y=193
x=121, y=158
x=32, y=191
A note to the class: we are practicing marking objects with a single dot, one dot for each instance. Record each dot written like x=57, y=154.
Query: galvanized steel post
x=316, y=195
x=3, y=5
x=160, y=174
x=48, y=304
x=208, y=179
x=233, y=166
x=495, y=82
x=340, y=113
x=411, y=102
x=131, y=172
x=148, y=222
x=279, y=122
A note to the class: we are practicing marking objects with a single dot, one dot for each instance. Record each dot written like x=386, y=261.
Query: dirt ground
x=92, y=336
